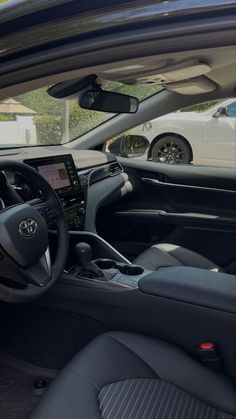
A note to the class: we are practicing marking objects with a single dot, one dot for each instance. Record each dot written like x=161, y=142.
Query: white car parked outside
x=204, y=138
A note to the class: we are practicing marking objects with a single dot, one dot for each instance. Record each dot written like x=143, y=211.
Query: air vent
x=84, y=178
x=105, y=172
x=115, y=169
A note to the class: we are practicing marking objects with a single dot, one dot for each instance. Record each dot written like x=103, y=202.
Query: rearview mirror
x=91, y=96
x=129, y=146
x=101, y=100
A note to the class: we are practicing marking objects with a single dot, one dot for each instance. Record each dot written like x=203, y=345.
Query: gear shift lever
x=88, y=269
x=84, y=253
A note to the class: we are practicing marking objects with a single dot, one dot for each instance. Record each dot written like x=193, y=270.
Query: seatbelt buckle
x=209, y=356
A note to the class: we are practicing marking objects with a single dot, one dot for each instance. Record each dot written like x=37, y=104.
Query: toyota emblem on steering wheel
x=28, y=227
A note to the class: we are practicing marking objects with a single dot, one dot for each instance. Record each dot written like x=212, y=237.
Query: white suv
x=207, y=138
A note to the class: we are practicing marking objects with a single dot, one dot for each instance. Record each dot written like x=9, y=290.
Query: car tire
x=172, y=150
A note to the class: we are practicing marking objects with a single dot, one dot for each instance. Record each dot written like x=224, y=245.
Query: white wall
x=22, y=131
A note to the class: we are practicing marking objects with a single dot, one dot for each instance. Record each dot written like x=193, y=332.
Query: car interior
x=118, y=275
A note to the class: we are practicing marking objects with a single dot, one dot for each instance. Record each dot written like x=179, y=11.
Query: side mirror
x=135, y=145
x=102, y=100
x=129, y=146
x=222, y=111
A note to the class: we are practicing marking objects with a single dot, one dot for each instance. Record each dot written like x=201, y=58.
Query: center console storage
x=215, y=290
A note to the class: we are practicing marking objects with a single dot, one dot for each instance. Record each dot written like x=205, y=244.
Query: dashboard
x=81, y=190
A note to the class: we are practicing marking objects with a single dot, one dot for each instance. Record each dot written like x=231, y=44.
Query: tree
x=140, y=91
x=83, y=120
x=40, y=101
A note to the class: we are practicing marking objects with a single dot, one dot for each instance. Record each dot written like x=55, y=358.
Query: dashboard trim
x=179, y=185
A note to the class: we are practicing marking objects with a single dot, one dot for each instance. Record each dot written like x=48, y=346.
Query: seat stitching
x=206, y=260
x=180, y=260
x=161, y=250
x=84, y=377
x=211, y=265
x=152, y=378
x=170, y=255
x=167, y=381
x=193, y=396
x=143, y=258
x=130, y=350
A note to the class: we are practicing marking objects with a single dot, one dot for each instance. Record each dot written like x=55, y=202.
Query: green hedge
x=7, y=117
x=49, y=129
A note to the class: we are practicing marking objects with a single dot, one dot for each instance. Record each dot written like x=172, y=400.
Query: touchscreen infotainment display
x=56, y=175
x=59, y=171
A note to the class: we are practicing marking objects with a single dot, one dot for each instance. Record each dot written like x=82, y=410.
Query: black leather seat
x=165, y=254
x=125, y=376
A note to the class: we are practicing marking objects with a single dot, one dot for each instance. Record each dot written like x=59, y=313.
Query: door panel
x=219, y=139
x=185, y=205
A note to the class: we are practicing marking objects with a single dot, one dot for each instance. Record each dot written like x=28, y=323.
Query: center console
x=94, y=261
x=185, y=306
x=61, y=174
x=111, y=272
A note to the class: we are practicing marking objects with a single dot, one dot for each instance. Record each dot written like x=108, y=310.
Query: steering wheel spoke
x=45, y=209
x=39, y=273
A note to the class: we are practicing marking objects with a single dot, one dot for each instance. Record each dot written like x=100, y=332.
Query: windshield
x=35, y=118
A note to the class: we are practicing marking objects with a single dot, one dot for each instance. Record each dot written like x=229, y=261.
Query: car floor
x=21, y=386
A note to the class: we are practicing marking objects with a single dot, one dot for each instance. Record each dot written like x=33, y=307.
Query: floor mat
x=45, y=336
x=18, y=396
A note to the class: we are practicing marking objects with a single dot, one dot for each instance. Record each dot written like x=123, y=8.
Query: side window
x=200, y=135
x=231, y=110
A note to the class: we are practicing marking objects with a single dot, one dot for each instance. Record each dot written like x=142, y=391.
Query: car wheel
x=172, y=150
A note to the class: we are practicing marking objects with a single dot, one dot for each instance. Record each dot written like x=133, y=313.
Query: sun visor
x=182, y=71
x=195, y=86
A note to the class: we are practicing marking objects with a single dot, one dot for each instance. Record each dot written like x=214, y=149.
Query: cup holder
x=131, y=270
x=105, y=263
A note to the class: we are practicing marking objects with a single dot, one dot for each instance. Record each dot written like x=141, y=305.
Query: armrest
x=194, y=286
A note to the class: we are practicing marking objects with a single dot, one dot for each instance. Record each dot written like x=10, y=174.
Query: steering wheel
x=24, y=243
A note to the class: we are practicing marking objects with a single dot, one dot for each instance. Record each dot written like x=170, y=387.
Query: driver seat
x=122, y=375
